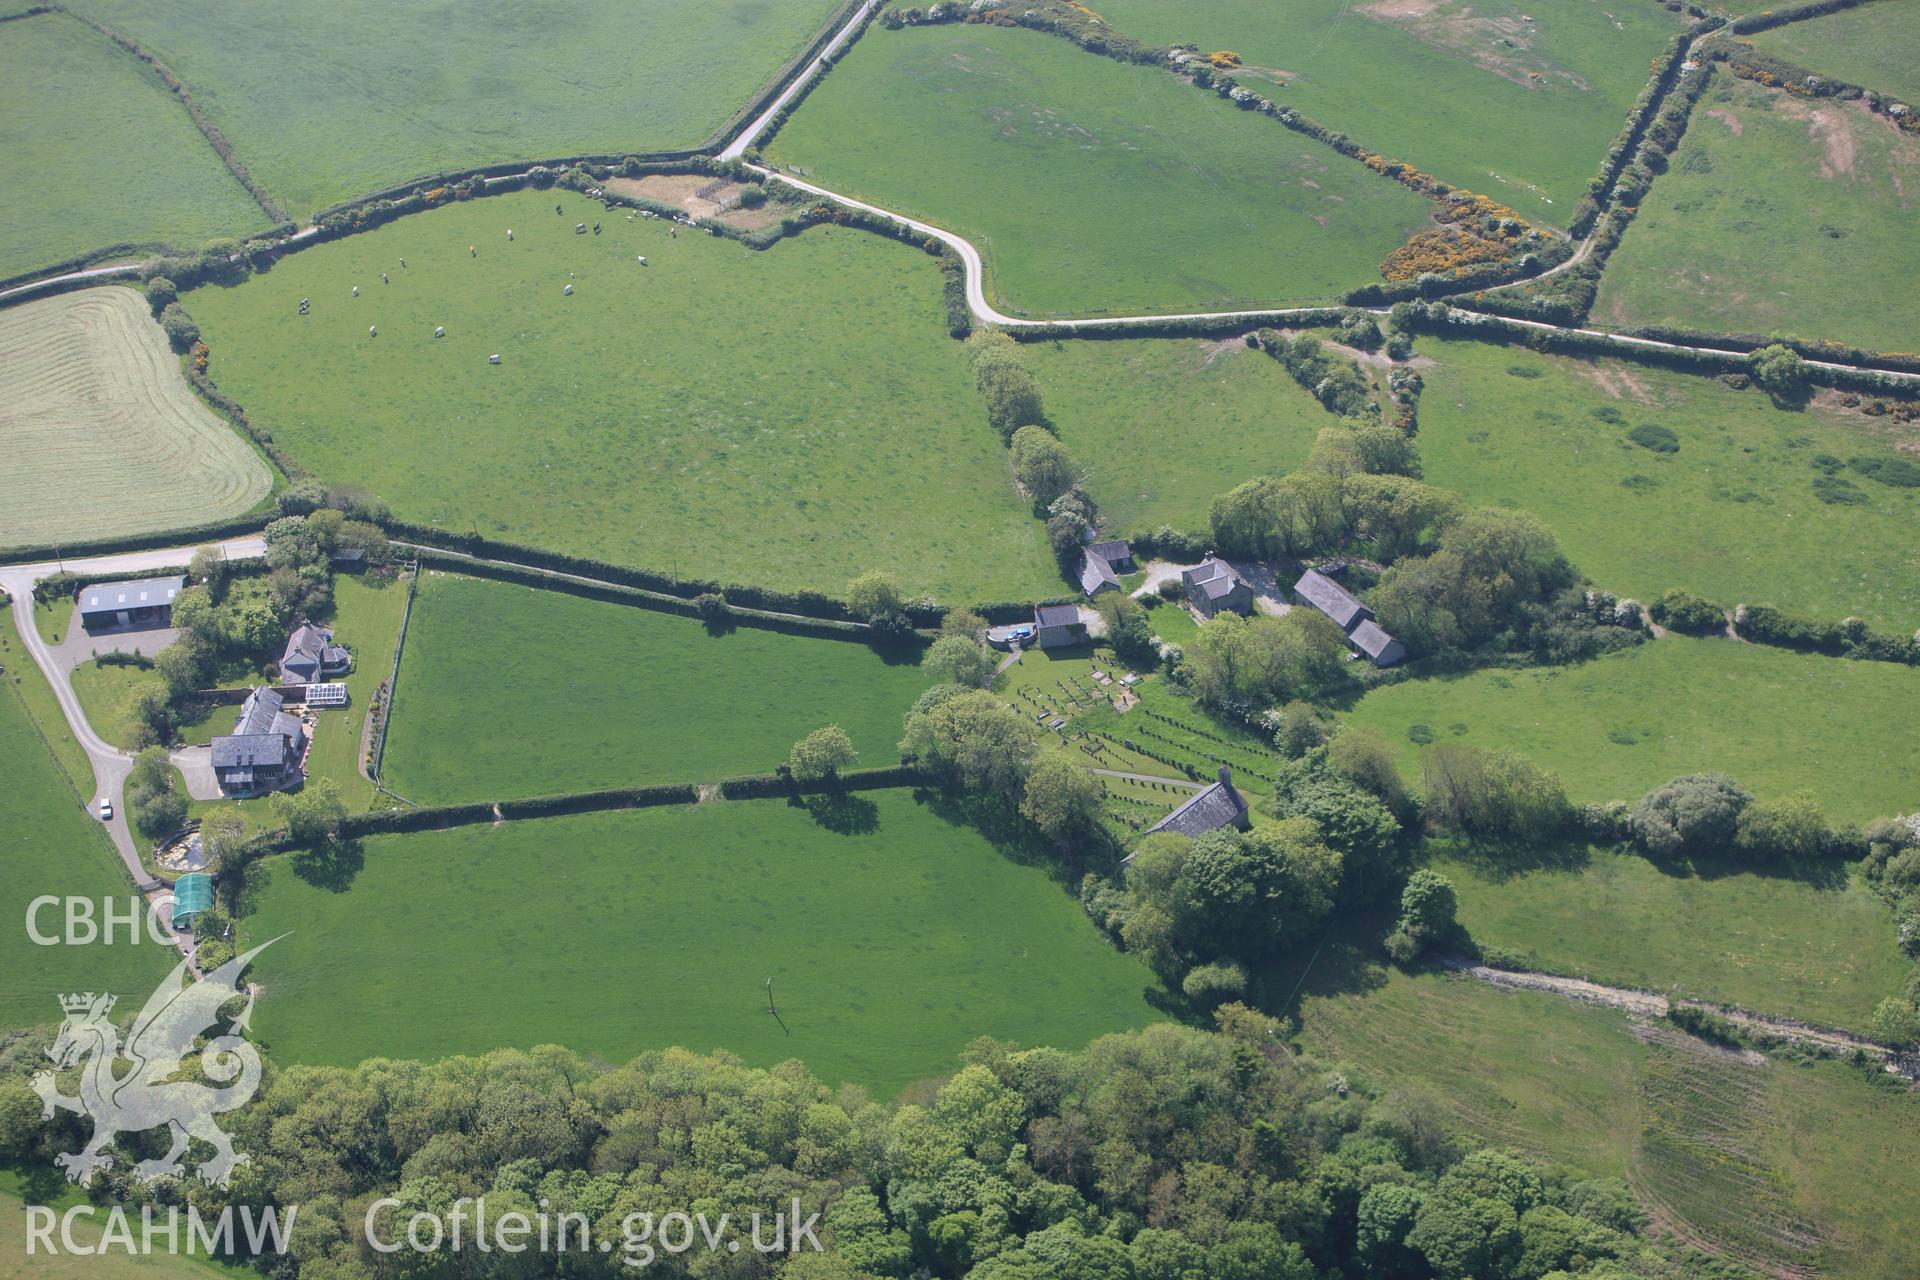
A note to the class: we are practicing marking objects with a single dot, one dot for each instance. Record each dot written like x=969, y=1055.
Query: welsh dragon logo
x=154, y=1092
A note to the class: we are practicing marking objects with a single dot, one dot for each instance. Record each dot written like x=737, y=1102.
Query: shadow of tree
x=331, y=867
x=843, y=814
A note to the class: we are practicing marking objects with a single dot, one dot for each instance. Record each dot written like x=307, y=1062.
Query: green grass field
x=890, y=946
x=1767, y=1164
x=329, y=102
x=366, y=618
x=1618, y=726
x=24, y=678
x=50, y=846
x=1432, y=84
x=1876, y=45
x=1165, y=426
x=1822, y=953
x=1733, y=515
x=1089, y=186
x=506, y=691
x=786, y=418
x=1778, y=215
x=95, y=151
x=102, y=434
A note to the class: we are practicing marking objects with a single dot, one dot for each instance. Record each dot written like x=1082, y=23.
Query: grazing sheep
x=641, y=259
x=356, y=291
x=568, y=291
x=403, y=262
x=373, y=331
x=509, y=233
x=439, y=331
x=384, y=279
x=493, y=359
x=472, y=252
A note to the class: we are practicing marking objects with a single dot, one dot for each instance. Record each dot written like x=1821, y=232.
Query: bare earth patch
x=699, y=196
x=1729, y=119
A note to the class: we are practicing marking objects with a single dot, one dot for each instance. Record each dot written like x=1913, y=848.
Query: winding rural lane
x=110, y=764
x=758, y=125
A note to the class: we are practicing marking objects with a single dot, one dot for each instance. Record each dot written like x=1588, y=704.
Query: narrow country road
x=110, y=764
x=738, y=147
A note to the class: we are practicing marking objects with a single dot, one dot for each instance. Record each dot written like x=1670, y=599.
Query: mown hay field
x=101, y=433
x=1089, y=186
x=1517, y=101
x=787, y=418
x=1777, y=214
x=1734, y=513
x=894, y=933
x=95, y=151
x=1876, y=46
x=506, y=691
x=1761, y=1162
x=1616, y=727
x=328, y=102
x=1165, y=426
x=1819, y=948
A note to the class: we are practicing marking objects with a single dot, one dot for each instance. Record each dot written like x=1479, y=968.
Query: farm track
x=1653, y=1004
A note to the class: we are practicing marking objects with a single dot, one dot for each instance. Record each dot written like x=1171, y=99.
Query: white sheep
x=641, y=259
x=356, y=291
x=493, y=359
x=439, y=331
x=373, y=331
x=509, y=233
x=567, y=292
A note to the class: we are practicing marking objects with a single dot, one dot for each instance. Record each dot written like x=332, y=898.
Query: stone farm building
x=264, y=751
x=1216, y=805
x=1101, y=565
x=143, y=602
x=311, y=655
x=1055, y=626
x=1355, y=619
x=1214, y=587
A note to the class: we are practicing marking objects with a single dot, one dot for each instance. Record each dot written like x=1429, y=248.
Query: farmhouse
x=1055, y=626
x=311, y=655
x=144, y=602
x=264, y=751
x=1218, y=805
x=1363, y=633
x=1101, y=564
x=1213, y=586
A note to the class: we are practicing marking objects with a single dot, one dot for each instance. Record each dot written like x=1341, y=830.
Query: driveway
x=196, y=766
x=1269, y=593
x=110, y=764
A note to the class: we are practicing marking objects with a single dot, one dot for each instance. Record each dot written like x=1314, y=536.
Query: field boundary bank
x=446, y=817
x=1657, y=1004
x=381, y=725
x=279, y=217
x=609, y=592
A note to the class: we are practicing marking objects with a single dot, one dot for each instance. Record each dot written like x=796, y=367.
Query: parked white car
x=106, y=809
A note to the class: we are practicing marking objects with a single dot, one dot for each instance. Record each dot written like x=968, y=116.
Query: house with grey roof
x=311, y=655
x=1213, y=587
x=1367, y=637
x=264, y=751
x=1214, y=806
x=1055, y=626
x=142, y=602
